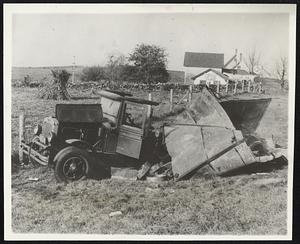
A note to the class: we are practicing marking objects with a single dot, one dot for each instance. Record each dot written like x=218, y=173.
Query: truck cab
x=128, y=121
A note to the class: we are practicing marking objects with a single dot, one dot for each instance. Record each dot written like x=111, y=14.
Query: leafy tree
x=150, y=63
x=129, y=73
x=93, y=73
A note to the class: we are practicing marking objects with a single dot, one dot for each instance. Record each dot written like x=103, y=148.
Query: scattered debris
x=261, y=174
x=144, y=170
x=33, y=179
x=267, y=181
x=116, y=213
x=124, y=173
x=156, y=178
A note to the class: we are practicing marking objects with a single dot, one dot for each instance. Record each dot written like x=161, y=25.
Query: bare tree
x=281, y=71
x=252, y=60
x=114, y=65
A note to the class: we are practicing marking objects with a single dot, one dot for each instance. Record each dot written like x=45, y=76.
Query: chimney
x=241, y=57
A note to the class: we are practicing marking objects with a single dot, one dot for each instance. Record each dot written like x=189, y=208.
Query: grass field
x=244, y=204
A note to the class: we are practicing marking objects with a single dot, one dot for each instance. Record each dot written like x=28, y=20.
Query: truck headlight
x=37, y=130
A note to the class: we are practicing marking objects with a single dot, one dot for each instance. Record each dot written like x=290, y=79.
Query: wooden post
x=249, y=84
x=171, y=100
x=218, y=87
x=21, y=135
x=227, y=84
x=190, y=93
x=260, y=87
x=149, y=106
x=253, y=87
x=243, y=85
x=235, y=87
x=148, y=119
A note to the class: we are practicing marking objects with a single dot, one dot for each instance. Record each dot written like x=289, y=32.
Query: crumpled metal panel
x=211, y=141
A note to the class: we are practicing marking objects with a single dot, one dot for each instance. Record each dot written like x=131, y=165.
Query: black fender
x=80, y=144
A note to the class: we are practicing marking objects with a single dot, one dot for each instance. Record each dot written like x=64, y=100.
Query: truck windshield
x=110, y=108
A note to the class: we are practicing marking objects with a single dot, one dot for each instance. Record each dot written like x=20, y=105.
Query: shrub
x=93, y=73
x=56, y=90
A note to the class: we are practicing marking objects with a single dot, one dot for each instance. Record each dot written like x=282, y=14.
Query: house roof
x=204, y=60
x=235, y=71
x=225, y=77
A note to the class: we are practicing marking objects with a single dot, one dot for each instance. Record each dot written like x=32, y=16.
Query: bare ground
x=243, y=204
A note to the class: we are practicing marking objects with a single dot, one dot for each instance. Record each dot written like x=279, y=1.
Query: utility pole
x=73, y=70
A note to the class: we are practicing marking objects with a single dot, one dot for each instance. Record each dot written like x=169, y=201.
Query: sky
x=53, y=39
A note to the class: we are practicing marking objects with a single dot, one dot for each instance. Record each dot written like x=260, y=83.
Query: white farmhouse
x=210, y=76
x=239, y=74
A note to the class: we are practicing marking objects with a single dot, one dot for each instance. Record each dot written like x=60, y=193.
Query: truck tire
x=72, y=164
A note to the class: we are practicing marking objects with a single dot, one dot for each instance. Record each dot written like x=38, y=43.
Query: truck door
x=131, y=130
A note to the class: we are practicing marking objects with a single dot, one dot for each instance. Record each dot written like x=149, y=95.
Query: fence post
x=171, y=100
x=190, y=93
x=260, y=87
x=235, y=87
x=21, y=135
x=149, y=106
x=249, y=84
x=253, y=87
x=243, y=85
x=148, y=119
x=218, y=87
x=226, y=88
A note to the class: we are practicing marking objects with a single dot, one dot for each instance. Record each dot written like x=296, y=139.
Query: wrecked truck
x=82, y=138
x=211, y=136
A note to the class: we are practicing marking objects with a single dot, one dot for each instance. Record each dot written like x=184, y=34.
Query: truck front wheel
x=72, y=164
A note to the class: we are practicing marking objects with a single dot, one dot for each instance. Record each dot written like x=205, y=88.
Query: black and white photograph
x=149, y=121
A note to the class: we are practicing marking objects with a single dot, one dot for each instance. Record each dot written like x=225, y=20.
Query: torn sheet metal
x=204, y=137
